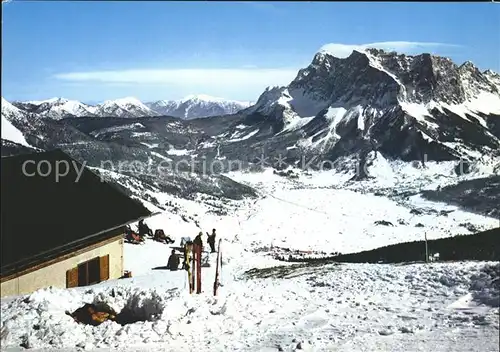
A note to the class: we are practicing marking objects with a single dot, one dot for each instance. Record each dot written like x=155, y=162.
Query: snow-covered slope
x=9, y=132
x=196, y=106
x=39, y=129
x=352, y=307
x=12, y=118
x=404, y=106
x=11, y=112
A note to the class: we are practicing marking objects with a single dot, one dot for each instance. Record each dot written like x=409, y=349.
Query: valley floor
x=265, y=305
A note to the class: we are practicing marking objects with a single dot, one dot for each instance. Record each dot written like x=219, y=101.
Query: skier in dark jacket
x=173, y=261
x=144, y=229
x=211, y=241
x=198, y=241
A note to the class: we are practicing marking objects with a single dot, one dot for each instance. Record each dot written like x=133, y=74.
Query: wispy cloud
x=344, y=50
x=264, y=6
x=190, y=77
x=249, y=82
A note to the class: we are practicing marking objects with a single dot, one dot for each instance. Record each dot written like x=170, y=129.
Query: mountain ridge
x=197, y=106
x=193, y=106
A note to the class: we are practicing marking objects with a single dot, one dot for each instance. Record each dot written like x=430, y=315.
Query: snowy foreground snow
x=280, y=306
x=440, y=307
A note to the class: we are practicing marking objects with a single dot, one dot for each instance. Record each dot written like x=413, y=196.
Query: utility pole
x=426, y=248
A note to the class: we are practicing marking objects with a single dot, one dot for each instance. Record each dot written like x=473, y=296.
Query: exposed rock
x=383, y=222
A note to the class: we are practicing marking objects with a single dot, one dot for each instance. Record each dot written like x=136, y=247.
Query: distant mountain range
x=195, y=106
x=191, y=107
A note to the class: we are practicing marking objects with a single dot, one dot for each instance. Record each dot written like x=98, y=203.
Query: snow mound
x=137, y=305
x=52, y=327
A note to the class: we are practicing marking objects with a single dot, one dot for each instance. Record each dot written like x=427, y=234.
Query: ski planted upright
x=193, y=268
x=197, y=251
x=189, y=267
x=218, y=265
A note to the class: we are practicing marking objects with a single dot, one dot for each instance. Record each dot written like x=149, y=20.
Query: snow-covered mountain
x=193, y=106
x=196, y=106
x=404, y=106
x=59, y=108
x=125, y=107
x=104, y=140
x=37, y=130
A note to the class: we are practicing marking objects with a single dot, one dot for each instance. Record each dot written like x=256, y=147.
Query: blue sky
x=93, y=51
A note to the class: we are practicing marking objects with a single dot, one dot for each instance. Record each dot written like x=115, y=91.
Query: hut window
x=89, y=272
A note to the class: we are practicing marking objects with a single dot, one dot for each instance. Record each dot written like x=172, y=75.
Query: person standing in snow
x=211, y=241
x=173, y=261
x=198, y=241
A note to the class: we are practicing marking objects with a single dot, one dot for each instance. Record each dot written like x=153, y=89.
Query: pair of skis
x=197, y=263
x=193, y=262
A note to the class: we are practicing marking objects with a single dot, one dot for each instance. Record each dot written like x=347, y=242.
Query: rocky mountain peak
x=491, y=73
x=403, y=102
x=468, y=65
x=378, y=77
x=493, y=77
